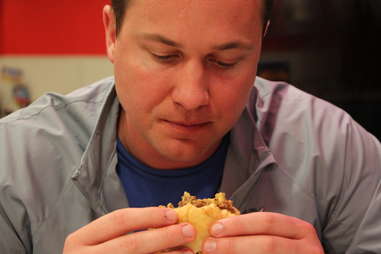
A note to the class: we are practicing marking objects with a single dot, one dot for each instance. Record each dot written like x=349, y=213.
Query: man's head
x=183, y=73
x=120, y=6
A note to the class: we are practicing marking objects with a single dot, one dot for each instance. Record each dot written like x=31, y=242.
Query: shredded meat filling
x=219, y=200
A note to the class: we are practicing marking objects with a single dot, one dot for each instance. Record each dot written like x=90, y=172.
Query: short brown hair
x=120, y=6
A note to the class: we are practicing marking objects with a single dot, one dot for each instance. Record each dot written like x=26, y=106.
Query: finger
x=253, y=245
x=150, y=241
x=121, y=222
x=262, y=223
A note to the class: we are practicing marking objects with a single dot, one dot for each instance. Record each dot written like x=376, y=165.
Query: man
x=183, y=114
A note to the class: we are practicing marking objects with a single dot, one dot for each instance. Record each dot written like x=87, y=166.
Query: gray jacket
x=290, y=152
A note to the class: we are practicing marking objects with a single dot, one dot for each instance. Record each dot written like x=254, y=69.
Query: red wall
x=51, y=27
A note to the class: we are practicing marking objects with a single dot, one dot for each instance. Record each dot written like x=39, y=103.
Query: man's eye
x=165, y=58
x=222, y=65
x=225, y=65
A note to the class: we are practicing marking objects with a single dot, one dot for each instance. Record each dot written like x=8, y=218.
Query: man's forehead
x=255, y=5
x=197, y=10
x=213, y=22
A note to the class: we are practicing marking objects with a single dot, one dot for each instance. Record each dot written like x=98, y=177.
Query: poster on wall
x=14, y=93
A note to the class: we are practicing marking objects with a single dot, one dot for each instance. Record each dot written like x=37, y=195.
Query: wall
x=43, y=27
x=60, y=74
x=59, y=45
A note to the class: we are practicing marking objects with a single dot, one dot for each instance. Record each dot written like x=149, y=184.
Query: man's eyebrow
x=161, y=39
x=234, y=45
x=169, y=42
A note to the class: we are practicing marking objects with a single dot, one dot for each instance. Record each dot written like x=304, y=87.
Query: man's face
x=183, y=71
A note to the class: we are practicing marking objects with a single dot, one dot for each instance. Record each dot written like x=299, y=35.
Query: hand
x=114, y=233
x=262, y=233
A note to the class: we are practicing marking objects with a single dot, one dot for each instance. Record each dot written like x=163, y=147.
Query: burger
x=202, y=213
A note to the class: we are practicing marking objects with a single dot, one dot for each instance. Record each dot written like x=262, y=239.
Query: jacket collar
x=96, y=175
x=248, y=153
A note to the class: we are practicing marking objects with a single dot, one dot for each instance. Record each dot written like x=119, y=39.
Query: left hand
x=262, y=233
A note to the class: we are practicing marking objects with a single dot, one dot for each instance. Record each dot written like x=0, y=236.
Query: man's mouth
x=189, y=124
x=186, y=126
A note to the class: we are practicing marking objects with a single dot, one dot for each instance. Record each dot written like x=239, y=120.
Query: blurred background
x=329, y=48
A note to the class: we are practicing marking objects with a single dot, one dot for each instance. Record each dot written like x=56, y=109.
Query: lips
x=188, y=124
x=186, y=127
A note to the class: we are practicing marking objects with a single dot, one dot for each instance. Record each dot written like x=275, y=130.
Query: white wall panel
x=60, y=74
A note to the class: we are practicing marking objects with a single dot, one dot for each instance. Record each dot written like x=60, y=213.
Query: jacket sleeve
x=10, y=240
x=368, y=235
x=14, y=222
x=354, y=226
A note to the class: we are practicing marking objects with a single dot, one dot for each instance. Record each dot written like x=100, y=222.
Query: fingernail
x=210, y=245
x=217, y=229
x=171, y=216
x=187, y=230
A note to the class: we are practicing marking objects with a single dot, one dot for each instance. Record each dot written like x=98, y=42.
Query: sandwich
x=202, y=213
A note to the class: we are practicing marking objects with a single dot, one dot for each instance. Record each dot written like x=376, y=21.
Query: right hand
x=114, y=233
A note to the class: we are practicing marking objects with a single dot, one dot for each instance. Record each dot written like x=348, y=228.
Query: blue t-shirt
x=146, y=186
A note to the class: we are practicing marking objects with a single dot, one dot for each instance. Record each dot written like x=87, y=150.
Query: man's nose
x=191, y=88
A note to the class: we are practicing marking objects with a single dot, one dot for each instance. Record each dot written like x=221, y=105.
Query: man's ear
x=110, y=31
